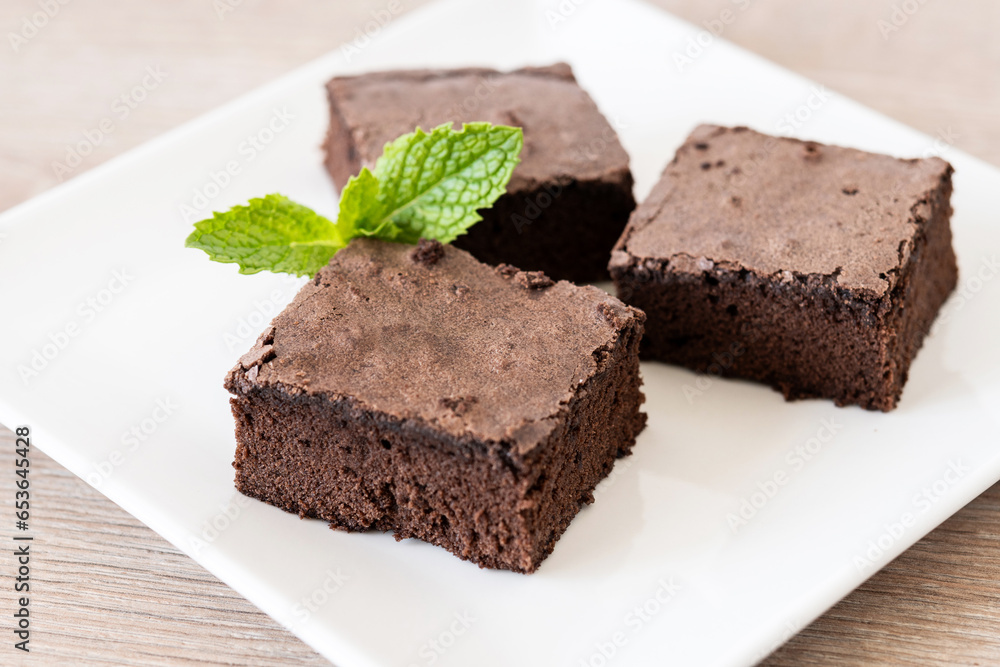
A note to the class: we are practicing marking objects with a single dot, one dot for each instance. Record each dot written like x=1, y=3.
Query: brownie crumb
x=615, y=315
x=507, y=271
x=459, y=404
x=427, y=252
x=534, y=280
x=527, y=279
x=257, y=356
x=812, y=152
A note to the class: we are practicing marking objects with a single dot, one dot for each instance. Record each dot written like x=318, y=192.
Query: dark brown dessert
x=568, y=199
x=815, y=269
x=416, y=390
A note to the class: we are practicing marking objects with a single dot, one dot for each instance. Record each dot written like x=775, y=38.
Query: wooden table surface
x=107, y=590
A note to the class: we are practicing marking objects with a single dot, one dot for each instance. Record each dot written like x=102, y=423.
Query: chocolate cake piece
x=567, y=201
x=416, y=390
x=815, y=269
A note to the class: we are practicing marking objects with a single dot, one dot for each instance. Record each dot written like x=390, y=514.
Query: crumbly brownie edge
x=795, y=335
x=926, y=280
x=332, y=459
x=363, y=470
x=601, y=425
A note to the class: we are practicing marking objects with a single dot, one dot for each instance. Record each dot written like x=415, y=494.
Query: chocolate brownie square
x=815, y=269
x=567, y=201
x=416, y=390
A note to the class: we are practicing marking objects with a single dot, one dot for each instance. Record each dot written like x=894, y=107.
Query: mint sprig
x=269, y=234
x=425, y=185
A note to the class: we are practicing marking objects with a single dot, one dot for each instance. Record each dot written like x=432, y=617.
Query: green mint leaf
x=431, y=185
x=360, y=210
x=425, y=185
x=269, y=234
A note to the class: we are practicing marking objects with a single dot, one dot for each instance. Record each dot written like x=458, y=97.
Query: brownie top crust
x=565, y=136
x=783, y=207
x=430, y=333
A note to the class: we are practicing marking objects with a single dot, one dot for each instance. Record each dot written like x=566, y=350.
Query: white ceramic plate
x=653, y=572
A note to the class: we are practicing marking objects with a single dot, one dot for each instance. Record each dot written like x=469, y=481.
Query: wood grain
x=110, y=591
